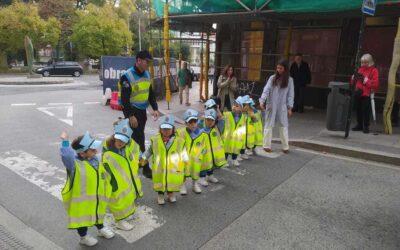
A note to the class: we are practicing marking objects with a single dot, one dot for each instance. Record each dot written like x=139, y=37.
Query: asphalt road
x=300, y=200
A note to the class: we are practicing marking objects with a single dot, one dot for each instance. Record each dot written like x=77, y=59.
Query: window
x=251, y=58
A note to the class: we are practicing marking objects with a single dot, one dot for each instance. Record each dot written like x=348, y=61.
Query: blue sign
x=112, y=67
x=368, y=7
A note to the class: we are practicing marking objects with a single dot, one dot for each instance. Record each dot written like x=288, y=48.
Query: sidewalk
x=308, y=130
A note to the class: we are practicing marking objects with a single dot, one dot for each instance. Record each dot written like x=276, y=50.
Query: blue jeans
x=234, y=156
x=206, y=173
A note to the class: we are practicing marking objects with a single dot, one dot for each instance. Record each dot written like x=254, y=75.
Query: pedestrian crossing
x=51, y=179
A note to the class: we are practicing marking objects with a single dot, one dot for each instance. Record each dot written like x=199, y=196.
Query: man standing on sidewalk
x=300, y=72
x=136, y=95
x=184, y=80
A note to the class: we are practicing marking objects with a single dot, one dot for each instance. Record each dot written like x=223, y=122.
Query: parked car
x=195, y=71
x=61, y=68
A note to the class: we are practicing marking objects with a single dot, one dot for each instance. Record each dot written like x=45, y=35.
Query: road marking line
x=37, y=171
x=88, y=103
x=52, y=179
x=23, y=104
x=59, y=103
x=69, y=114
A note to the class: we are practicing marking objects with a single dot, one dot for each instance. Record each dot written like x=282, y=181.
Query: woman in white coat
x=277, y=100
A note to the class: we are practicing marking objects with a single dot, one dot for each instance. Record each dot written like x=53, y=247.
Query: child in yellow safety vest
x=234, y=133
x=216, y=149
x=87, y=189
x=197, y=147
x=121, y=157
x=170, y=160
x=258, y=126
x=251, y=119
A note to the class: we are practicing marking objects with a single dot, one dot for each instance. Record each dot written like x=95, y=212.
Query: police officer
x=136, y=95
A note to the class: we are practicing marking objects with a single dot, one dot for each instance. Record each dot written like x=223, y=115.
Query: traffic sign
x=368, y=7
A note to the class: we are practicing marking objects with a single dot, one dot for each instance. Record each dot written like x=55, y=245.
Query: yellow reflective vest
x=140, y=88
x=216, y=148
x=197, y=149
x=125, y=171
x=168, y=166
x=250, y=133
x=234, y=134
x=87, y=197
x=259, y=134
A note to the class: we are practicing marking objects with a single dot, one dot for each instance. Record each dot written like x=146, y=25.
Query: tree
x=64, y=12
x=18, y=20
x=99, y=31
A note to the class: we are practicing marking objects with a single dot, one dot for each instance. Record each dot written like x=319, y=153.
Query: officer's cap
x=123, y=131
x=210, y=113
x=144, y=54
x=190, y=114
x=87, y=142
x=209, y=104
x=167, y=121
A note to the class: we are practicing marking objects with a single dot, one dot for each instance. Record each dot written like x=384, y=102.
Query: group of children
x=178, y=155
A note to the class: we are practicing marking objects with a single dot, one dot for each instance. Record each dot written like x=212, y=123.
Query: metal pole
x=166, y=54
x=357, y=63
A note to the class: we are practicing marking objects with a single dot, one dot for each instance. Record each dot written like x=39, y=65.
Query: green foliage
x=100, y=31
x=18, y=20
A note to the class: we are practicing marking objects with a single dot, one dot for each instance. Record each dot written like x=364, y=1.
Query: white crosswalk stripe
x=52, y=179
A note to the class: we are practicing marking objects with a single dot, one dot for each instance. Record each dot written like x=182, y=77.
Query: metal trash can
x=338, y=106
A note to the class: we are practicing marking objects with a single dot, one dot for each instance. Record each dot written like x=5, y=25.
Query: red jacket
x=373, y=80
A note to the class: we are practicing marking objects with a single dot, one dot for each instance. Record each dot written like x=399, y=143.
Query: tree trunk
x=3, y=60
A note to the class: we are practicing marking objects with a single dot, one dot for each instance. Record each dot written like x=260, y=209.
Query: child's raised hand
x=64, y=136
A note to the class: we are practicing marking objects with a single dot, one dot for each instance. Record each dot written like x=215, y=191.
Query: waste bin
x=338, y=106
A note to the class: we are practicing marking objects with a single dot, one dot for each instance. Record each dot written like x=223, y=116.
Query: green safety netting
x=179, y=7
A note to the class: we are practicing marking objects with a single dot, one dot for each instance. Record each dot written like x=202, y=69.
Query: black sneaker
x=357, y=128
x=366, y=130
x=147, y=172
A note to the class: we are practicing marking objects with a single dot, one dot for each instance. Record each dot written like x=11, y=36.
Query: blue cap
x=209, y=104
x=88, y=143
x=210, y=113
x=246, y=99
x=167, y=121
x=123, y=131
x=239, y=100
x=190, y=114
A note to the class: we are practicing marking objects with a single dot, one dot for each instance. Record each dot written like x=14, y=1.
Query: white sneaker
x=196, y=187
x=171, y=197
x=254, y=151
x=183, y=189
x=203, y=182
x=130, y=217
x=88, y=240
x=226, y=164
x=244, y=156
x=212, y=179
x=236, y=163
x=249, y=151
x=106, y=233
x=239, y=158
x=124, y=225
x=160, y=199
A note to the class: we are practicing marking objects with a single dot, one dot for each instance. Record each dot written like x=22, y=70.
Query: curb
x=353, y=152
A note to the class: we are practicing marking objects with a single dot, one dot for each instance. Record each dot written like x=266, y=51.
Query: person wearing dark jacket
x=136, y=95
x=301, y=74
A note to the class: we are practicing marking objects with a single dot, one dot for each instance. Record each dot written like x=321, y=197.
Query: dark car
x=61, y=68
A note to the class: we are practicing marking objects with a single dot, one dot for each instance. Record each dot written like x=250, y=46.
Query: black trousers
x=138, y=133
x=227, y=103
x=363, y=105
x=82, y=231
x=299, y=92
